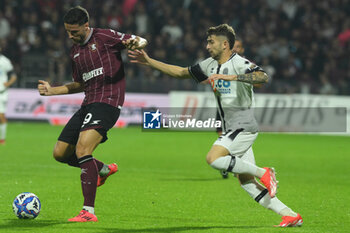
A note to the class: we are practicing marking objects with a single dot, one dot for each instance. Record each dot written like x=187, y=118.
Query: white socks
x=260, y=194
x=236, y=165
x=252, y=187
x=89, y=209
x=288, y=212
x=221, y=163
x=3, y=131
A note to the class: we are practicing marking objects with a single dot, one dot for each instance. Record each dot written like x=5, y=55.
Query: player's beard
x=79, y=40
x=216, y=56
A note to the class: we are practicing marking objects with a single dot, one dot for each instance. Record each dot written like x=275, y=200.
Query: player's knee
x=216, y=152
x=211, y=158
x=57, y=155
x=62, y=151
x=208, y=159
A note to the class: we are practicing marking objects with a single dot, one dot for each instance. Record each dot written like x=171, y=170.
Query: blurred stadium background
x=303, y=45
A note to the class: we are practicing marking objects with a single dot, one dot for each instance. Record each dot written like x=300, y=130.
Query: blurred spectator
x=173, y=29
x=4, y=26
x=326, y=87
x=115, y=19
x=344, y=36
x=303, y=45
x=141, y=20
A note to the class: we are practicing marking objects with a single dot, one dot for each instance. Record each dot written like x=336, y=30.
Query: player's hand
x=139, y=56
x=132, y=43
x=135, y=43
x=222, y=77
x=44, y=87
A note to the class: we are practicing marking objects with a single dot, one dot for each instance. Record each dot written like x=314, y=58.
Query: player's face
x=238, y=47
x=77, y=33
x=215, y=46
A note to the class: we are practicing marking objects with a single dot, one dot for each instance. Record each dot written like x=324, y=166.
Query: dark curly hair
x=223, y=30
x=76, y=15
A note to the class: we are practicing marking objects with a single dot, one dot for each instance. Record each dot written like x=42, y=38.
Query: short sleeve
x=244, y=66
x=114, y=38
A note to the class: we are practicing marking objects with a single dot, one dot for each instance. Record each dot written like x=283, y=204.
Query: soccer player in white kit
x=6, y=71
x=232, y=78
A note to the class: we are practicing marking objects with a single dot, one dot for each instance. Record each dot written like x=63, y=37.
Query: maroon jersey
x=99, y=66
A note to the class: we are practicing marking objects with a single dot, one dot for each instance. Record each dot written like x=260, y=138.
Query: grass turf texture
x=165, y=185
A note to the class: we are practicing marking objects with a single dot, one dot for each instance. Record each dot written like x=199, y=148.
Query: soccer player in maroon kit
x=98, y=71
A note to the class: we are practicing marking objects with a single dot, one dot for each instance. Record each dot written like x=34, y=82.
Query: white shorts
x=3, y=104
x=238, y=144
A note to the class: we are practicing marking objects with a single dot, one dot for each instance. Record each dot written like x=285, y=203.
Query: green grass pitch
x=165, y=185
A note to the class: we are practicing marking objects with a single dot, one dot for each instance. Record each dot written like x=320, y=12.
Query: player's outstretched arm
x=141, y=57
x=256, y=77
x=45, y=88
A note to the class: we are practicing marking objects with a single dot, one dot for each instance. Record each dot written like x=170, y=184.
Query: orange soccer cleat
x=289, y=221
x=113, y=168
x=269, y=180
x=84, y=216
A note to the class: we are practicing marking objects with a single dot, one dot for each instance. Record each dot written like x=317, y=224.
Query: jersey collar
x=89, y=36
x=233, y=54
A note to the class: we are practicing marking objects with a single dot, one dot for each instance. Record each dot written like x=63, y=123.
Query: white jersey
x=5, y=68
x=234, y=98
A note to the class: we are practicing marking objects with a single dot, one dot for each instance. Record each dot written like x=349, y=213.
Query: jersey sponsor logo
x=89, y=75
x=221, y=86
x=76, y=55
